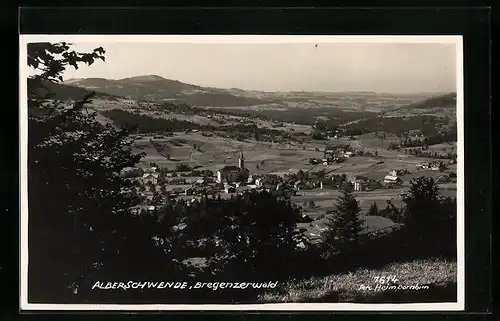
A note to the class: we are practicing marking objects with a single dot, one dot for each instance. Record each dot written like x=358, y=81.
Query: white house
x=389, y=179
x=229, y=189
x=392, y=177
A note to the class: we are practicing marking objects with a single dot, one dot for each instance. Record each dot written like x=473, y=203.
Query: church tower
x=241, y=161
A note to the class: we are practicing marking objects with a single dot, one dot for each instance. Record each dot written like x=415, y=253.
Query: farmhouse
x=233, y=173
x=392, y=178
x=435, y=166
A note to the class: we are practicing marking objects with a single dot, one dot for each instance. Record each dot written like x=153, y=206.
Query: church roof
x=229, y=168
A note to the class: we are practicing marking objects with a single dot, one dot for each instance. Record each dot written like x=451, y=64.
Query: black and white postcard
x=283, y=173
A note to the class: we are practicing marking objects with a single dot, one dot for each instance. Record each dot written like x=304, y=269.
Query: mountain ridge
x=155, y=88
x=153, y=78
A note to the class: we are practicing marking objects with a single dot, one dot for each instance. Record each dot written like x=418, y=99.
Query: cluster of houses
x=237, y=179
x=333, y=155
x=336, y=154
x=434, y=166
x=361, y=183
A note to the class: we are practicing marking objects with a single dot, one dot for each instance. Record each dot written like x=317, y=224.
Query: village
x=314, y=189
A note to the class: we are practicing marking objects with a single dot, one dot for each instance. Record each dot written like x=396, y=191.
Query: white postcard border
x=23, y=127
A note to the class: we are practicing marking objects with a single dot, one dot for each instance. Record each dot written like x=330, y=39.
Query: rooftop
x=230, y=168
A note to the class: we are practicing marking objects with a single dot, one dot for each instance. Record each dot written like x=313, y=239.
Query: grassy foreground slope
x=419, y=281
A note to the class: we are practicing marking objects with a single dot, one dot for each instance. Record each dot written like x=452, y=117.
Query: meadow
x=415, y=281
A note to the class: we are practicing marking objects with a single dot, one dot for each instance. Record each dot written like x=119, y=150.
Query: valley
x=278, y=135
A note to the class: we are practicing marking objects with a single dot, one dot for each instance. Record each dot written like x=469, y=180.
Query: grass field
x=215, y=152
x=444, y=148
x=325, y=199
x=360, y=285
x=370, y=224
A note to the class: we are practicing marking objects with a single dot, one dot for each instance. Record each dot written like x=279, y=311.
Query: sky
x=331, y=67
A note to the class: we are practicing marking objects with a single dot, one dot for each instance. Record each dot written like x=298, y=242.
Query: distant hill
x=159, y=89
x=443, y=105
x=429, y=116
x=156, y=88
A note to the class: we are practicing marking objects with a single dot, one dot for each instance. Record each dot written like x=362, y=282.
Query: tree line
x=427, y=125
x=148, y=124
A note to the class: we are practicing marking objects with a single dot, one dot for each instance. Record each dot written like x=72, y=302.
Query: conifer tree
x=373, y=209
x=422, y=203
x=344, y=224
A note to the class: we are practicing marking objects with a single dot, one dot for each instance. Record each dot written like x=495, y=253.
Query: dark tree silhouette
x=344, y=224
x=421, y=203
x=253, y=235
x=430, y=216
x=373, y=211
x=80, y=224
x=392, y=212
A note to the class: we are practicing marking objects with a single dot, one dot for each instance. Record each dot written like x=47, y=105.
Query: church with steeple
x=232, y=174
